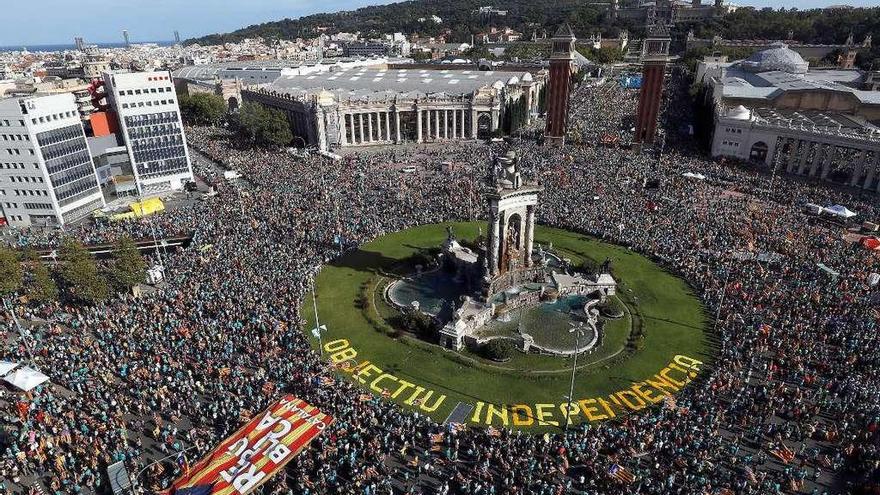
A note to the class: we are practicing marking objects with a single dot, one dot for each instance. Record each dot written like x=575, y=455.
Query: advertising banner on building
x=255, y=452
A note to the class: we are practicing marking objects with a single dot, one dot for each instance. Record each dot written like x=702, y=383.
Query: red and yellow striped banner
x=258, y=449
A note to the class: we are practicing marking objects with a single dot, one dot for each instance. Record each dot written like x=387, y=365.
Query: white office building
x=47, y=176
x=151, y=126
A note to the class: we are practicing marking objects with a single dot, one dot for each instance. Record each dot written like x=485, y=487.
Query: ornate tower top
x=563, y=43
x=656, y=45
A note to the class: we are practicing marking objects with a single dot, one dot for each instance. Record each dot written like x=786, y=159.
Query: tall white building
x=47, y=176
x=151, y=125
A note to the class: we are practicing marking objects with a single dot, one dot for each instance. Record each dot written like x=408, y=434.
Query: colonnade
x=382, y=127
x=815, y=158
x=445, y=124
x=371, y=127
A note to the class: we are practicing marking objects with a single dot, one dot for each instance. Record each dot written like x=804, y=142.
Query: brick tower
x=561, y=66
x=655, y=52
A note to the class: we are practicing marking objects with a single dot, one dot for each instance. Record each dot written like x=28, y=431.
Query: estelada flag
x=258, y=450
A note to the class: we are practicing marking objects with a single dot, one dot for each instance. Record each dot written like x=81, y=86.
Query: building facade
x=825, y=145
x=771, y=108
x=47, y=176
x=371, y=106
x=152, y=129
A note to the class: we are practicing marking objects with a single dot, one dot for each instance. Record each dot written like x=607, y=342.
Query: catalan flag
x=246, y=458
x=783, y=453
x=621, y=474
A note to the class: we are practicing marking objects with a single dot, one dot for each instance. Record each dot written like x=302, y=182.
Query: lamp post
x=21, y=333
x=317, y=324
x=578, y=331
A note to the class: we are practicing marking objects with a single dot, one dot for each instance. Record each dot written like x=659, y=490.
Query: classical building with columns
x=366, y=106
x=772, y=108
x=826, y=145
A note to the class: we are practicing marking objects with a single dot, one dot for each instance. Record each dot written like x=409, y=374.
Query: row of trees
x=254, y=122
x=262, y=125
x=202, y=108
x=76, y=277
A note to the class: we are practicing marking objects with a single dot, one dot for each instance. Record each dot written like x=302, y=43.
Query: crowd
x=795, y=370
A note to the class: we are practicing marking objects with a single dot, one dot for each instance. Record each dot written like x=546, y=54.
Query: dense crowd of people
x=136, y=380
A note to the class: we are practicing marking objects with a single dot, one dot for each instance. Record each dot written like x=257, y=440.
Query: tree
x=42, y=287
x=249, y=120
x=128, y=267
x=266, y=126
x=202, y=108
x=80, y=274
x=276, y=129
x=10, y=271
x=499, y=350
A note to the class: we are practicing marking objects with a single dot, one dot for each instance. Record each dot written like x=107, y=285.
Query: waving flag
x=254, y=453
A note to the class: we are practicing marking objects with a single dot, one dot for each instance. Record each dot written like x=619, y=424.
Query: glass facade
x=68, y=163
x=156, y=141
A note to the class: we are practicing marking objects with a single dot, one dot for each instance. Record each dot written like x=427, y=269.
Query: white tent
x=6, y=367
x=691, y=175
x=840, y=211
x=26, y=378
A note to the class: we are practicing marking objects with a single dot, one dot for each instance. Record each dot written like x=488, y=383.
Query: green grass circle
x=658, y=305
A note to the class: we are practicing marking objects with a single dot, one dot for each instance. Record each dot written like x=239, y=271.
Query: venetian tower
x=655, y=53
x=561, y=66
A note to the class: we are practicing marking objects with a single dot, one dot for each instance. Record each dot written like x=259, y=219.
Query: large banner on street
x=255, y=452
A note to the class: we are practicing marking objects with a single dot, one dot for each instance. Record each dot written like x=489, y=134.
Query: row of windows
x=38, y=206
x=730, y=143
x=17, y=165
x=151, y=119
x=733, y=130
x=7, y=124
x=154, y=131
x=148, y=103
x=73, y=191
x=165, y=153
x=131, y=92
x=15, y=137
x=59, y=135
x=50, y=118
x=73, y=173
x=63, y=149
x=81, y=159
x=23, y=178
x=157, y=142
x=166, y=167
x=12, y=151
x=27, y=192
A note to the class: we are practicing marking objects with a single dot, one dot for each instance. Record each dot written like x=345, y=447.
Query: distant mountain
x=460, y=17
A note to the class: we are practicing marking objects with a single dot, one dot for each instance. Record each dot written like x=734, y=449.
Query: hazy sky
x=59, y=21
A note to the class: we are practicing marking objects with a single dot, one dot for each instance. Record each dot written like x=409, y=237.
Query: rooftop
x=372, y=82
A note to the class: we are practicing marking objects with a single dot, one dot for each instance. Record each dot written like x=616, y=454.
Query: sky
x=59, y=21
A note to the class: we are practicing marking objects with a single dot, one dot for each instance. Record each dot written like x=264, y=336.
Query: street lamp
x=21, y=333
x=578, y=330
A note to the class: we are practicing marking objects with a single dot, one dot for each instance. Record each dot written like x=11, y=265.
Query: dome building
x=773, y=108
x=779, y=57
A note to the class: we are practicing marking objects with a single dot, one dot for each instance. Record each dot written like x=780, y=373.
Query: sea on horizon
x=71, y=46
